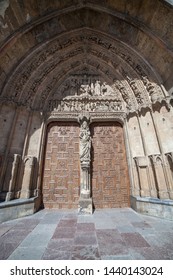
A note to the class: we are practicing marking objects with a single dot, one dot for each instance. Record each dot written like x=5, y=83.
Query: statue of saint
x=85, y=142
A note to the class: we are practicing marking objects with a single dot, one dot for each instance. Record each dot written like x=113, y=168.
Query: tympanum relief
x=90, y=95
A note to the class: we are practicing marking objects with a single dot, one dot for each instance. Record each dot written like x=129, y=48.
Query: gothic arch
x=113, y=62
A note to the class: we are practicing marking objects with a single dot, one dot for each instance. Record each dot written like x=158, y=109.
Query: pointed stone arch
x=39, y=63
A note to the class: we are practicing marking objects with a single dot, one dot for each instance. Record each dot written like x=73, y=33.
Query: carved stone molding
x=156, y=159
x=170, y=156
x=23, y=86
x=141, y=161
x=98, y=116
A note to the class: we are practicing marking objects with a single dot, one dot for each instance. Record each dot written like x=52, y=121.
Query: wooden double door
x=109, y=173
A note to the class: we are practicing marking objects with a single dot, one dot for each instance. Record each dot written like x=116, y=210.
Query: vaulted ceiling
x=44, y=42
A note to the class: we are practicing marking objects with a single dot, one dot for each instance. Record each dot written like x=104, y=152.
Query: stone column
x=85, y=180
x=85, y=201
x=160, y=176
x=12, y=184
x=142, y=165
x=169, y=173
x=28, y=177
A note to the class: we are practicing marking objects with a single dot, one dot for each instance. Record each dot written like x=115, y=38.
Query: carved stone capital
x=85, y=164
x=29, y=161
x=84, y=116
x=157, y=160
x=141, y=161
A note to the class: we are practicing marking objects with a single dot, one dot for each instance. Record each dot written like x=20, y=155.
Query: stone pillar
x=14, y=161
x=28, y=177
x=85, y=180
x=152, y=181
x=160, y=176
x=142, y=165
x=136, y=184
x=85, y=200
x=169, y=173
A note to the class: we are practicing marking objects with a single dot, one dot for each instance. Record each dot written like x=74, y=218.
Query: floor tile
x=85, y=253
x=86, y=227
x=62, y=244
x=56, y=255
x=64, y=232
x=85, y=239
x=134, y=240
x=6, y=249
x=67, y=223
x=24, y=253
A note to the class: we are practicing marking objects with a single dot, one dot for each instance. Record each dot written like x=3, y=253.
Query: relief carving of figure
x=85, y=142
x=97, y=88
x=85, y=89
x=106, y=89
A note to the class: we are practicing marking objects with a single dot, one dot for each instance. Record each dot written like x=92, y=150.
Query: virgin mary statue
x=85, y=143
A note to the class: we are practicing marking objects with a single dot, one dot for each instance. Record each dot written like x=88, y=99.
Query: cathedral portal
x=108, y=166
x=86, y=106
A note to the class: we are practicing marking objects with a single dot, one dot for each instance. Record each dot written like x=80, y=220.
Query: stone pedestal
x=85, y=179
x=85, y=206
x=85, y=202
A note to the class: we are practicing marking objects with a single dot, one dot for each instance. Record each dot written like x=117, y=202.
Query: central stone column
x=85, y=200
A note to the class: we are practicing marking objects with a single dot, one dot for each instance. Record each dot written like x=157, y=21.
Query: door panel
x=110, y=182
x=61, y=178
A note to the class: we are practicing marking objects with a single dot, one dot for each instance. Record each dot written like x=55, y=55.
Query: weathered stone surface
x=85, y=206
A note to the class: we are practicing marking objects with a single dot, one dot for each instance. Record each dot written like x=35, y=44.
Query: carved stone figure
x=97, y=88
x=85, y=142
x=85, y=89
x=106, y=89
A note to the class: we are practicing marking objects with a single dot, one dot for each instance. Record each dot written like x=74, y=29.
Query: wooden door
x=61, y=176
x=110, y=181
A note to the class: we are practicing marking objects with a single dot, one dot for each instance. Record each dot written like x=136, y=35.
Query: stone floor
x=108, y=234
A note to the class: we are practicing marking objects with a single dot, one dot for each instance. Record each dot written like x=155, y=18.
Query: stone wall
x=152, y=159
x=21, y=131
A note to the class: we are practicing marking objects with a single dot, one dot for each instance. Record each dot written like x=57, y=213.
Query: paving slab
x=56, y=255
x=85, y=253
x=25, y=253
x=81, y=238
x=134, y=240
x=108, y=234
